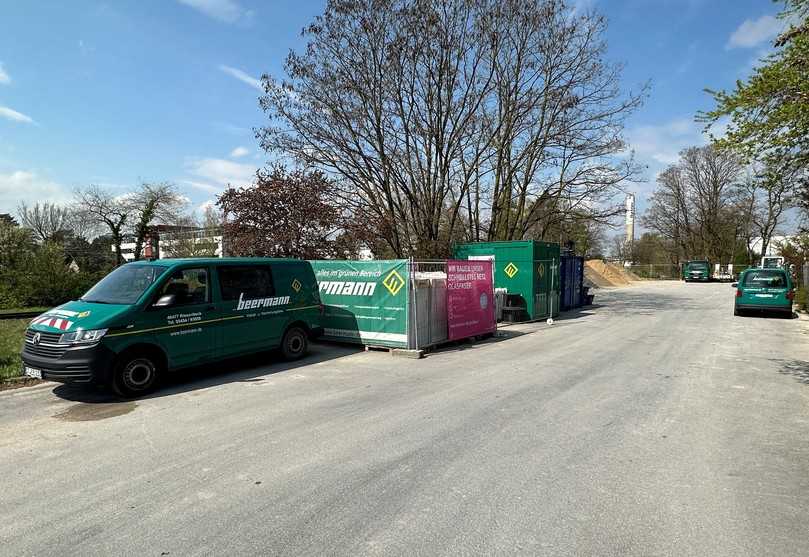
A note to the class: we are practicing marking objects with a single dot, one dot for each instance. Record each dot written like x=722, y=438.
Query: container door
x=578, y=281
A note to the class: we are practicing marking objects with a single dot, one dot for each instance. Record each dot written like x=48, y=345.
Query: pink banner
x=470, y=298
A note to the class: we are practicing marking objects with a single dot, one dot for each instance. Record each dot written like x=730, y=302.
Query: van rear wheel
x=295, y=344
x=135, y=375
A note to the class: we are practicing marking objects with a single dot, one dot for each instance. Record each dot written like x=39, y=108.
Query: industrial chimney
x=630, y=220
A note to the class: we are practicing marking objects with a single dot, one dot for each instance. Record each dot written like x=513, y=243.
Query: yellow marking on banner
x=393, y=282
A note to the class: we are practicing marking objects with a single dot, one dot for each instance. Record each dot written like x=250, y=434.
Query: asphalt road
x=654, y=423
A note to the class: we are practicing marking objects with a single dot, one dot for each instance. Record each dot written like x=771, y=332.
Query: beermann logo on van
x=347, y=288
x=261, y=302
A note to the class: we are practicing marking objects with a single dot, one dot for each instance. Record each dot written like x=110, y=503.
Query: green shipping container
x=527, y=268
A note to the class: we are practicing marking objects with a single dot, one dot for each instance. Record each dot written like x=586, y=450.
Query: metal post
x=550, y=305
x=415, y=324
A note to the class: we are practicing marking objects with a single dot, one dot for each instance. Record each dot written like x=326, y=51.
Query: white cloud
x=239, y=152
x=29, y=187
x=4, y=77
x=222, y=172
x=242, y=76
x=662, y=144
x=203, y=186
x=204, y=206
x=14, y=116
x=228, y=11
x=753, y=32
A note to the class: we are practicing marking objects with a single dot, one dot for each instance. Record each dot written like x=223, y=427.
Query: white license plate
x=765, y=296
x=33, y=372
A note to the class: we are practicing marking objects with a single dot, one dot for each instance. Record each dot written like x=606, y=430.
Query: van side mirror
x=735, y=285
x=163, y=301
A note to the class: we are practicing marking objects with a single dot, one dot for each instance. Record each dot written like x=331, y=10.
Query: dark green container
x=527, y=268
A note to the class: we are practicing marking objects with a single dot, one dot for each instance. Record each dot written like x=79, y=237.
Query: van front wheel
x=134, y=376
x=295, y=344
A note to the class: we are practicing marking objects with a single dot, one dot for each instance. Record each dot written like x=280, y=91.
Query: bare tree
x=484, y=117
x=47, y=221
x=769, y=192
x=153, y=203
x=106, y=210
x=695, y=206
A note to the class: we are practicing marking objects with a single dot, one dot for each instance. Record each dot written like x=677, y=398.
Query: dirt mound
x=601, y=273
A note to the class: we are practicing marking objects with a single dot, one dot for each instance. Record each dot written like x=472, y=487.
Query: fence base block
x=404, y=353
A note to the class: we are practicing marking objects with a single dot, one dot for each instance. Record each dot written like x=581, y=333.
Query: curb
x=27, y=388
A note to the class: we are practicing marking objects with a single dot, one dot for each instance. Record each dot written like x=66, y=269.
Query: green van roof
x=213, y=261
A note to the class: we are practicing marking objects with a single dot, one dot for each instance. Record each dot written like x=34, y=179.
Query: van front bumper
x=75, y=365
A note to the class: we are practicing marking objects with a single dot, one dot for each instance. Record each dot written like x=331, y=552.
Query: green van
x=699, y=270
x=763, y=290
x=148, y=317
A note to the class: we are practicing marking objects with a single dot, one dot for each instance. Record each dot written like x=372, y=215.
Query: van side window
x=253, y=281
x=189, y=286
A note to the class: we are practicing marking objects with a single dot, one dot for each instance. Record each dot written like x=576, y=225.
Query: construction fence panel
x=428, y=304
x=365, y=302
x=470, y=298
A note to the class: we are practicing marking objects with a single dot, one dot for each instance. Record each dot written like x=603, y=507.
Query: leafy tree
x=16, y=245
x=285, y=214
x=651, y=249
x=769, y=113
x=49, y=280
x=8, y=219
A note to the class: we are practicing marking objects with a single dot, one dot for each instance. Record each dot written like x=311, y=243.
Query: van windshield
x=697, y=265
x=765, y=279
x=124, y=285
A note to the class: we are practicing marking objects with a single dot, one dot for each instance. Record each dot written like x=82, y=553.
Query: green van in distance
x=699, y=270
x=149, y=317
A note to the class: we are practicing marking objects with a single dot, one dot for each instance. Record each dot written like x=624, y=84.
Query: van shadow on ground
x=245, y=369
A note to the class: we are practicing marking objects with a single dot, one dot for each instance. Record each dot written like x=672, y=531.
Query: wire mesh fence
x=655, y=272
x=673, y=271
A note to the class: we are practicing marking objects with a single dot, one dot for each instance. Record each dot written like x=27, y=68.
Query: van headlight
x=88, y=336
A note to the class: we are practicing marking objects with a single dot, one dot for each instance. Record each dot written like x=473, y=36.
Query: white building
x=773, y=248
x=173, y=241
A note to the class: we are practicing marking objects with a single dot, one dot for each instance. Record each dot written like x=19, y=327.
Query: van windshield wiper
x=93, y=301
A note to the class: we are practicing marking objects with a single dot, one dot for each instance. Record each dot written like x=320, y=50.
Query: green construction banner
x=366, y=301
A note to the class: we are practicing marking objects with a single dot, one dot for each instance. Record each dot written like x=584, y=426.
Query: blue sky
x=166, y=90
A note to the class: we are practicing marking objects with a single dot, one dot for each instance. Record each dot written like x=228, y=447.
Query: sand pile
x=603, y=274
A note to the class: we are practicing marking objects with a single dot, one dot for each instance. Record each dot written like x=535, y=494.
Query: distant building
x=365, y=254
x=164, y=241
x=773, y=248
